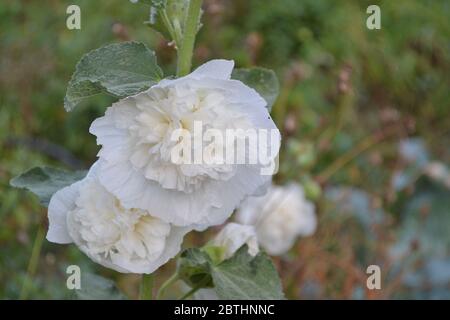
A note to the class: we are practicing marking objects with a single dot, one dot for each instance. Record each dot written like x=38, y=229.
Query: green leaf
x=45, y=181
x=120, y=69
x=193, y=266
x=94, y=287
x=264, y=81
x=243, y=277
x=240, y=277
x=215, y=253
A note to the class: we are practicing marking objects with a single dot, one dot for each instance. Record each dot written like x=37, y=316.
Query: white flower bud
x=233, y=236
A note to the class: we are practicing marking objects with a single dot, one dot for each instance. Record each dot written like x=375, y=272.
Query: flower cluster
x=136, y=204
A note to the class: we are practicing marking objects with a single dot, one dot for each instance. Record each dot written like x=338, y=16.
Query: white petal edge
x=60, y=204
x=216, y=69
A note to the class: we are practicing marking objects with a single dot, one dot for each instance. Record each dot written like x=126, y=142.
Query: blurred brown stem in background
x=362, y=146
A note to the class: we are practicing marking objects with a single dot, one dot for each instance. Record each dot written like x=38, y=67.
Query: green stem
x=32, y=264
x=190, y=31
x=165, y=285
x=168, y=25
x=146, y=289
x=343, y=108
x=200, y=285
x=189, y=293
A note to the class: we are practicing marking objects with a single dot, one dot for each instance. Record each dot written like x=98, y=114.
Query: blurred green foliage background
x=365, y=116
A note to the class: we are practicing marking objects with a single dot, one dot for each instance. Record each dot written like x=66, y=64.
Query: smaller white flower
x=233, y=236
x=279, y=217
x=126, y=240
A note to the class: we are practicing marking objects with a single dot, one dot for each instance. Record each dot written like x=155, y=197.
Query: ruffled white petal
x=246, y=181
x=211, y=205
x=216, y=69
x=60, y=204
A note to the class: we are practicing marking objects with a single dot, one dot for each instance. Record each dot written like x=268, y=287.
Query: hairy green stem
x=165, y=19
x=165, y=285
x=146, y=289
x=186, y=49
x=200, y=285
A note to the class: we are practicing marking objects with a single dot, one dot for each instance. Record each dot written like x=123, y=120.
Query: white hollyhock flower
x=126, y=240
x=137, y=144
x=279, y=217
x=235, y=235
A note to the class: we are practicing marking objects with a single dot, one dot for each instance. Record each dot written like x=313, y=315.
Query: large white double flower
x=126, y=240
x=137, y=145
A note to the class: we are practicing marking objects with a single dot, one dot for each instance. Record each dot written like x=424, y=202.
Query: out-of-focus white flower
x=279, y=217
x=126, y=240
x=136, y=135
x=235, y=235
